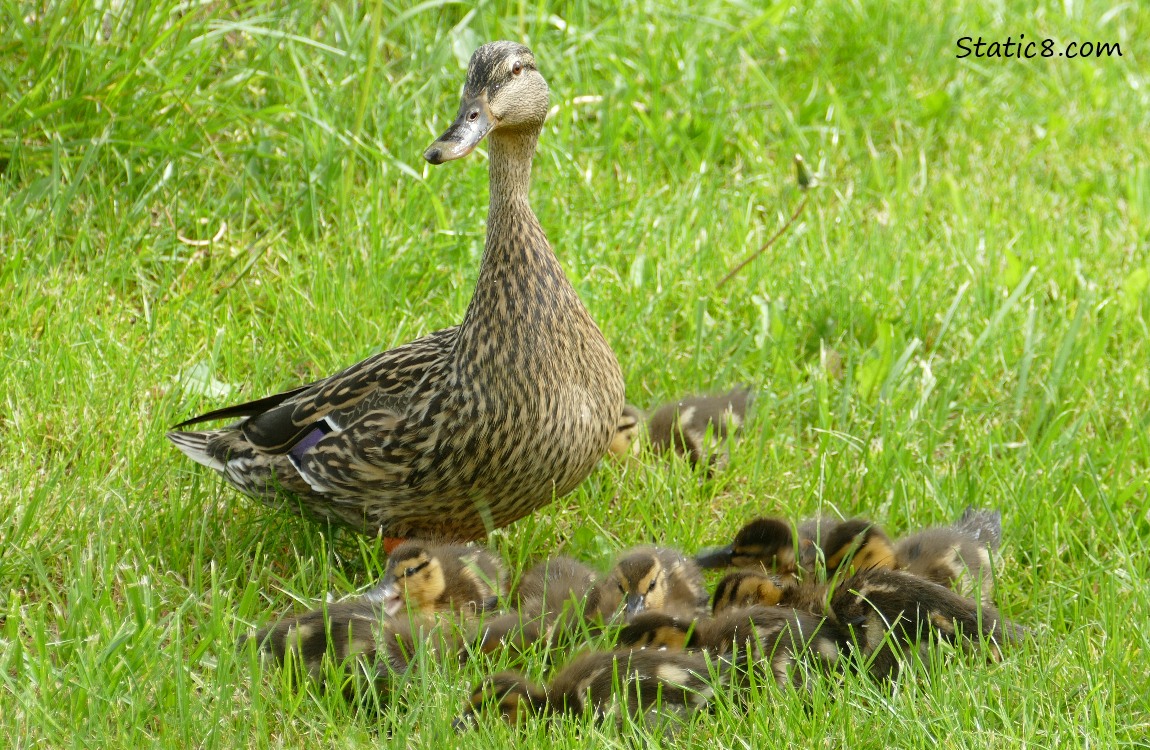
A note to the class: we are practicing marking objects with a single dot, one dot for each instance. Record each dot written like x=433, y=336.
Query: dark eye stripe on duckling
x=639, y=572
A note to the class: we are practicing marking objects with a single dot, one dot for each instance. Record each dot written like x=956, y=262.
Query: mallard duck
x=652, y=578
x=470, y=427
x=957, y=556
x=697, y=427
x=768, y=543
x=648, y=684
x=428, y=577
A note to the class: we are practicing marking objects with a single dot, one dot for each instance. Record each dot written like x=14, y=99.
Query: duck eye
x=517, y=68
x=473, y=116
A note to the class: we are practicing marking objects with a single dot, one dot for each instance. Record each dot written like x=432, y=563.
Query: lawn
x=206, y=202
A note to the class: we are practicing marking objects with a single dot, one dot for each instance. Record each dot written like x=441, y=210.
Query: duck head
x=504, y=91
x=414, y=577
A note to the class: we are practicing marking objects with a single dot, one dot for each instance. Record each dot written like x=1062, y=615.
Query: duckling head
x=745, y=588
x=626, y=430
x=504, y=91
x=414, y=576
x=766, y=542
x=643, y=582
x=511, y=694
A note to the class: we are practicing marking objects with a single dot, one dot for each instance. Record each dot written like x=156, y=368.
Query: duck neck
x=521, y=290
x=509, y=170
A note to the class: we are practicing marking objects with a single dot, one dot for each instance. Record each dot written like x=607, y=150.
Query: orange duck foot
x=390, y=543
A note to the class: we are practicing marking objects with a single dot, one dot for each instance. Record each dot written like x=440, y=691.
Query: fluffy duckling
x=429, y=577
x=770, y=636
x=957, y=556
x=697, y=427
x=650, y=684
x=857, y=544
x=768, y=543
x=551, y=582
x=515, y=632
x=652, y=579
x=890, y=613
x=748, y=588
x=343, y=632
x=551, y=600
x=885, y=612
x=624, y=442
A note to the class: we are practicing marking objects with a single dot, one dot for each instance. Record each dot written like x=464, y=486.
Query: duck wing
x=276, y=424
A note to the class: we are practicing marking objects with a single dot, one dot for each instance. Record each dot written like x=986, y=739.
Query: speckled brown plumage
x=468, y=428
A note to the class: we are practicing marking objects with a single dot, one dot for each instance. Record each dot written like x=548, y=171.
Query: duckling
x=550, y=600
x=856, y=543
x=428, y=577
x=748, y=588
x=553, y=581
x=428, y=439
x=514, y=632
x=982, y=525
x=343, y=632
x=957, y=556
x=650, y=684
x=697, y=427
x=889, y=613
x=768, y=543
x=774, y=636
x=624, y=443
x=652, y=578
x=882, y=613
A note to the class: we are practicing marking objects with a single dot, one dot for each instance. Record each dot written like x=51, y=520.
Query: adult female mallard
x=470, y=427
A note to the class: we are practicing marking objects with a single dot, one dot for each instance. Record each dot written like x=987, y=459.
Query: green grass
x=978, y=256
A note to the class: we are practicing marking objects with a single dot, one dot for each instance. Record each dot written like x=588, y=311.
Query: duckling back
x=697, y=426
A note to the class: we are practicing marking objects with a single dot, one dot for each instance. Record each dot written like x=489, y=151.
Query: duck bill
x=715, y=557
x=471, y=126
x=634, y=605
x=389, y=596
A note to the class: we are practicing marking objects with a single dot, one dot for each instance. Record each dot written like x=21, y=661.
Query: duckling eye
x=622, y=589
x=517, y=68
x=409, y=572
x=652, y=586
